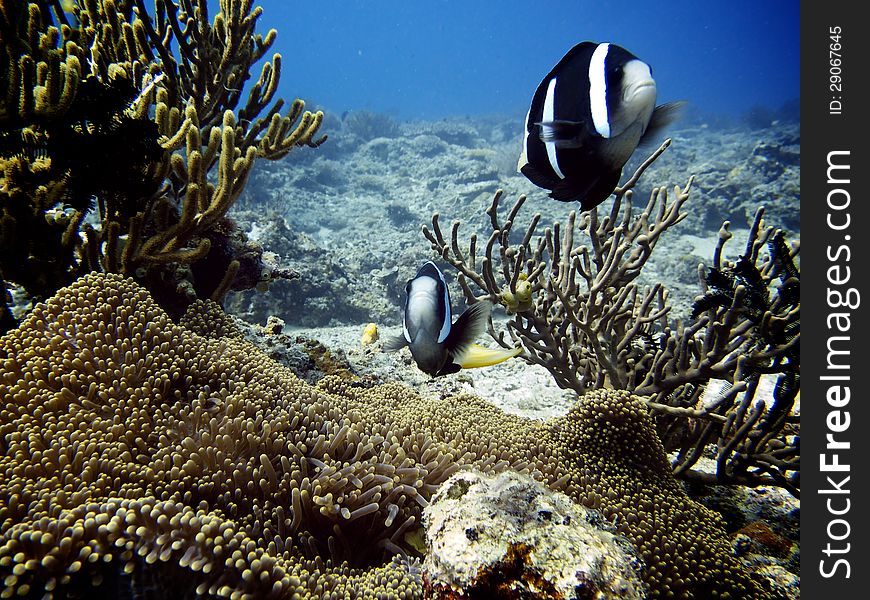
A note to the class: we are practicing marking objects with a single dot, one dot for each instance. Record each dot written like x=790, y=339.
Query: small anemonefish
x=586, y=119
x=440, y=346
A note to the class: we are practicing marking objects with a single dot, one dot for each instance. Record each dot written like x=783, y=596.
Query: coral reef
x=138, y=116
x=578, y=311
x=133, y=447
x=366, y=125
x=353, y=221
x=323, y=291
x=747, y=167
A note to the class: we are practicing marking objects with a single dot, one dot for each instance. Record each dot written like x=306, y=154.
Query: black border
x=821, y=133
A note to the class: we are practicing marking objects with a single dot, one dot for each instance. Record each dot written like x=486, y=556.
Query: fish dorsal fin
x=468, y=327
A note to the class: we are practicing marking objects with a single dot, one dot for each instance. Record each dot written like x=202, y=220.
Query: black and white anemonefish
x=586, y=118
x=438, y=344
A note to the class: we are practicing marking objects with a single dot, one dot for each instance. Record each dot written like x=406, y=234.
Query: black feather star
x=722, y=286
x=788, y=297
x=783, y=326
x=103, y=150
x=789, y=290
x=96, y=147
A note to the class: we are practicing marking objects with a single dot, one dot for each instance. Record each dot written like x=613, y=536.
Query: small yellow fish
x=521, y=300
x=370, y=335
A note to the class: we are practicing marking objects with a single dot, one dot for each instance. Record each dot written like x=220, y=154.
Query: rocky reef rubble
x=314, y=352
x=508, y=536
x=347, y=216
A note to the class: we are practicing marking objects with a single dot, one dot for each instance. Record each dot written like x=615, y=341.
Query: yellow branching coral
x=139, y=113
x=134, y=445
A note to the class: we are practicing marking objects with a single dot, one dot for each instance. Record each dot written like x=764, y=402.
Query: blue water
x=439, y=58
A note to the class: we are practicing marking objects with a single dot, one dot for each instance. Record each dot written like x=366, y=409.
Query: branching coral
x=563, y=293
x=757, y=440
x=133, y=449
x=577, y=310
x=138, y=113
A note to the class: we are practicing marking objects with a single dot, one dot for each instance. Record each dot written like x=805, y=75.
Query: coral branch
x=577, y=311
x=151, y=98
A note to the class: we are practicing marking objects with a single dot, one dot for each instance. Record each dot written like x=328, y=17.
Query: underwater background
x=197, y=396
x=424, y=106
x=428, y=60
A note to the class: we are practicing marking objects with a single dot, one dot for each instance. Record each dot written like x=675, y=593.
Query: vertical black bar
x=835, y=267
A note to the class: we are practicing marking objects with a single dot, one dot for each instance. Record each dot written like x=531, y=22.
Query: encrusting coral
x=135, y=450
x=139, y=115
x=506, y=535
x=577, y=310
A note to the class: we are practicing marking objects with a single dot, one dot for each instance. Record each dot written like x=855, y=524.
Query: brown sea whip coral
x=577, y=310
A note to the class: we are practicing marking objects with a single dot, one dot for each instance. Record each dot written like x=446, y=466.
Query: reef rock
x=508, y=536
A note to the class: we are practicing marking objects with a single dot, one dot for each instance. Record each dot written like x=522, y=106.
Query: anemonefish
x=586, y=119
x=439, y=345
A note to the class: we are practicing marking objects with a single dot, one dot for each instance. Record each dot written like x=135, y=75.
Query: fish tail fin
x=478, y=356
x=565, y=134
x=468, y=327
x=663, y=115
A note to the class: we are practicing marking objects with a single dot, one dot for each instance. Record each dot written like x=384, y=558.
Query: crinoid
x=103, y=150
x=744, y=287
x=723, y=285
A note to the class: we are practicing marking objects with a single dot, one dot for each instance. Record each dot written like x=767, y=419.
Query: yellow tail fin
x=478, y=356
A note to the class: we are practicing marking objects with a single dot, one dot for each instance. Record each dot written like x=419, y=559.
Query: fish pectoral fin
x=395, y=343
x=662, y=116
x=564, y=134
x=478, y=356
